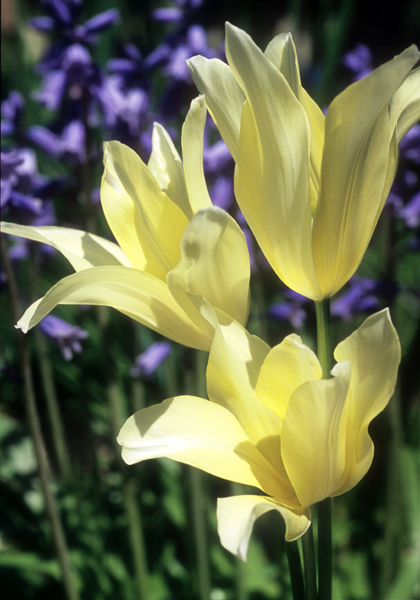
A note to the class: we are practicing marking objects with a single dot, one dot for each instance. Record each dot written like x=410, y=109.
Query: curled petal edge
x=236, y=517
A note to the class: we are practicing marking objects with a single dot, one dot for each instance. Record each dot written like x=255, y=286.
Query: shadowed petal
x=232, y=372
x=215, y=265
x=236, y=517
x=83, y=250
x=198, y=433
x=313, y=438
x=135, y=293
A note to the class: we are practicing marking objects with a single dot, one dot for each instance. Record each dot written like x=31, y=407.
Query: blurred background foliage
x=148, y=532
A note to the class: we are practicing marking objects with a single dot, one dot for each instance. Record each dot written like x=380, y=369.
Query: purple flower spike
x=411, y=212
x=359, y=60
x=167, y=15
x=100, y=22
x=287, y=311
x=65, y=335
x=222, y=192
x=410, y=145
x=148, y=361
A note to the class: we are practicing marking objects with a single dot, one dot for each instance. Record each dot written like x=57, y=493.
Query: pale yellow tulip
x=174, y=244
x=273, y=423
x=311, y=187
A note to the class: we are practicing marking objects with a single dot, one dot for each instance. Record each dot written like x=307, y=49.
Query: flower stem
x=295, y=570
x=310, y=565
x=324, y=343
x=324, y=550
x=323, y=336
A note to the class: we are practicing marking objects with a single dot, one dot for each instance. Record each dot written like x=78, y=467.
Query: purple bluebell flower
x=289, y=312
x=125, y=111
x=410, y=145
x=410, y=213
x=222, y=192
x=363, y=295
x=216, y=157
x=70, y=145
x=23, y=188
x=67, y=336
x=290, y=309
x=130, y=70
x=359, y=61
x=148, y=361
x=11, y=112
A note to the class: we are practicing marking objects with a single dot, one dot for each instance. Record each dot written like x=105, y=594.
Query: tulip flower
x=173, y=244
x=273, y=423
x=311, y=187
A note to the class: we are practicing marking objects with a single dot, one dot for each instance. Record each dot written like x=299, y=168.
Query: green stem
x=324, y=550
x=323, y=336
x=56, y=422
x=295, y=570
x=54, y=413
x=135, y=531
x=324, y=343
x=310, y=566
x=36, y=434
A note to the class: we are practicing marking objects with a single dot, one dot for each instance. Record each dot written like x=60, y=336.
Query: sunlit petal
x=83, y=250
x=272, y=172
x=285, y=368
x=232, y=372
x=192, y=154
x=224, y=97
x=236, y=517
x=198, y=433
x=281, y=52
x=357, y=171
x=374, y=353
x=137, y=294
x=313, y=439
x=146, y=223
x=165, y=164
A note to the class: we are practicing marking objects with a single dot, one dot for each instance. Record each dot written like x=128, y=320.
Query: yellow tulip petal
x=313, y=438
x=214, y=264
x=165, y=164
x=198, y=433
x=232, y=372
x=83, y=250
x=358, y=167
x=281, y=51
x=405, y=105
x=192, y=154
x=236, y=517
x=135, y=293
x=374, y=353
x=224, y=97
x=285, y=368
x=146, y=223
x=272, y=172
